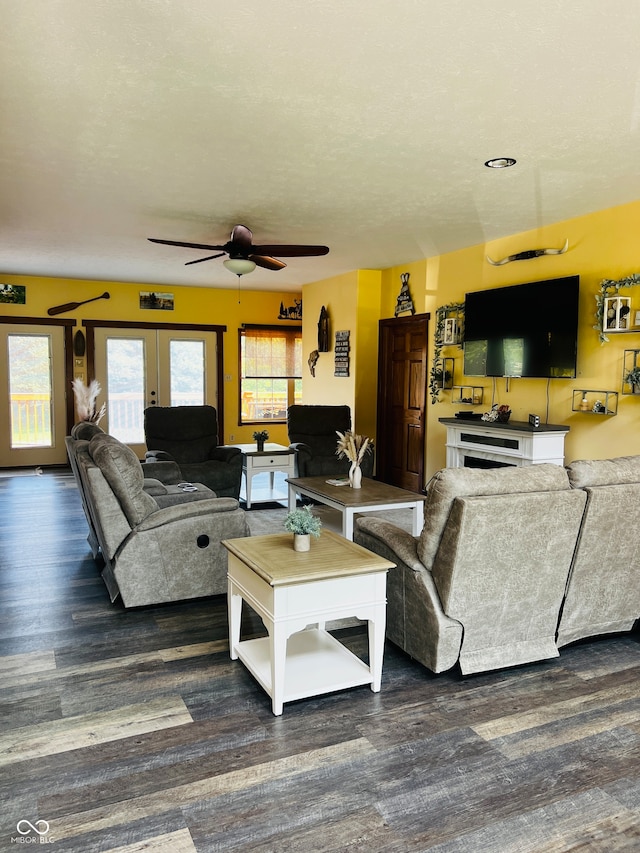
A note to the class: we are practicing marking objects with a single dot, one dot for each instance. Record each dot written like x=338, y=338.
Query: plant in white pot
x=303, y=524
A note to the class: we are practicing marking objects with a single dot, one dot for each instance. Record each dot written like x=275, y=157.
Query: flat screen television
x=525, y=330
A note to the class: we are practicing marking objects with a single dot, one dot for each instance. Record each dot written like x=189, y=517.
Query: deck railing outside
x=31, y=420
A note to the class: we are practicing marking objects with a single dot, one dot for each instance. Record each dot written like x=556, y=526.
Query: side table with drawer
x=274, y=457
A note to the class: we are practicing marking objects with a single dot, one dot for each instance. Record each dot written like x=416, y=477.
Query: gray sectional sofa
x=159, y=543
x=513, y=563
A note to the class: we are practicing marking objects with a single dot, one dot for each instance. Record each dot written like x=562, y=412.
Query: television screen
x=527, y=330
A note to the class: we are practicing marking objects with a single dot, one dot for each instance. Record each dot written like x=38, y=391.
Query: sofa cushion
x=450, y=483
x=123, y=471
x=604, y=472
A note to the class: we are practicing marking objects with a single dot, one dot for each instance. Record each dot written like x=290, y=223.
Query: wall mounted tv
x=525, y=330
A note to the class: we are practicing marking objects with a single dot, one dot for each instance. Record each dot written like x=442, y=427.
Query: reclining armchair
x=312, y=434
x=483, y=584
x=603, y=592
x=152, y=554
x=182, y=444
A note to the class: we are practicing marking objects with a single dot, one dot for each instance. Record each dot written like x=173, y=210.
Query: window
x=270, y=372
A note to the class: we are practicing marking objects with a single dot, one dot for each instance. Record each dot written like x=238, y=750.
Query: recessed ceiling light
x=500, y=162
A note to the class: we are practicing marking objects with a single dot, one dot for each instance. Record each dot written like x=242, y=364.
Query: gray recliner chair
x=484, y=583
x=312, y=434
x=152, y=554
x=187, y=438
x=603, y=591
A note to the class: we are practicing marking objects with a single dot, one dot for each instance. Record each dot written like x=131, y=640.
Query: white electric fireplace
x=484, y=444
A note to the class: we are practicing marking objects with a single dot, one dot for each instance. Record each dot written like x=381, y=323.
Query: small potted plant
x=633, y=378
x=303, y=524
x=260, y=437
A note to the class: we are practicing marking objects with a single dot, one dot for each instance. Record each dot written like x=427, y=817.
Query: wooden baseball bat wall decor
x=71, y=306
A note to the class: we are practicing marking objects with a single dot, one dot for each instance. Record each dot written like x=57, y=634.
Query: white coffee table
x=292, y=591
x=371, y=497
x=274, y=457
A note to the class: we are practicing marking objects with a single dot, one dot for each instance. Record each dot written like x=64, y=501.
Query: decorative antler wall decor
x=527, y=255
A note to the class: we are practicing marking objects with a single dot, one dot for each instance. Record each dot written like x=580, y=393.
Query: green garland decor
x=437, y=367
x=607, y=288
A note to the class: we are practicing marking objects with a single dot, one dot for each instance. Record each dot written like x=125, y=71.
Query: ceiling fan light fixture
x=239, y=266
x=500, y=163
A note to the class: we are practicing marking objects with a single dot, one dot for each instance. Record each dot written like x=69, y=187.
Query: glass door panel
x=126, y=368
x=138, y=368
x=32, y=413
x=186, y=373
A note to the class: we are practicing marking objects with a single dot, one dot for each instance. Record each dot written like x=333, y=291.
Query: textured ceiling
x=360, y=125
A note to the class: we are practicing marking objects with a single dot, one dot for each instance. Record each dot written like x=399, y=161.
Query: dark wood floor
x=133, y=730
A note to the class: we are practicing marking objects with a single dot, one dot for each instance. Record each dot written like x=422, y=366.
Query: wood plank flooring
x=131, y=731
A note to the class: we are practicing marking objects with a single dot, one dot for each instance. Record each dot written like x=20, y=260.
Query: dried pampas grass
x=86, y=397
x=352, y=446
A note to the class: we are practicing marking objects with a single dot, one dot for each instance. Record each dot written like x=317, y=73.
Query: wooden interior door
x=402, y=394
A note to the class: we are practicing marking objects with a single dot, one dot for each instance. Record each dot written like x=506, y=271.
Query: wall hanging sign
x=293, y=312
x=404, y=302
x=341, y=363
x=156, y=301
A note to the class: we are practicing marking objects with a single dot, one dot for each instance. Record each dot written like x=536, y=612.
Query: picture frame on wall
x=450, y=331
x=155, y=301
x=13, y=294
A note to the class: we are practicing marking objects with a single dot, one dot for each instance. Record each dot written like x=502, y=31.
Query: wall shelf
x=469, y=394
x=590, y=402
x=631, y=361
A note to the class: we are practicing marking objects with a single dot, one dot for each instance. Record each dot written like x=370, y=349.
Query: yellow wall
x=339, y=295
x=353, y=303
x=191, y=305
x=601, y=245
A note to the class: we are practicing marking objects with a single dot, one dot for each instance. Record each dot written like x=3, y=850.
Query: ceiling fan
x=244, y=256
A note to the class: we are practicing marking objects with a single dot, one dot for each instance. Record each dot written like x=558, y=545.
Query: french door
x=142, y=367
x=33, y=402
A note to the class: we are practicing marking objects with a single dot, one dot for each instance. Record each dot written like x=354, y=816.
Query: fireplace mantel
x=477, y=443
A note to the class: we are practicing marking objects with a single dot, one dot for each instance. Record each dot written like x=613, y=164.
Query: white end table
x=293, y=590
x=274, y=457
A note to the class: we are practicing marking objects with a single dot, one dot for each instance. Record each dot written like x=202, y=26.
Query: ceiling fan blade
x=187, y=245
x=291, y=251
x=208, y=258
x=266, y=262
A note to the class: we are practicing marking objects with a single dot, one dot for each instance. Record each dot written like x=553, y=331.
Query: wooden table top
x=331, y=556
x=372, y=492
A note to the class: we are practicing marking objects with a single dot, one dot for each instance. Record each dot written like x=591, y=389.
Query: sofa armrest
x=166, y=472
x=170, y=514
x=154, y=487
x=398, y=540
x=158, y=456
x=225, y=453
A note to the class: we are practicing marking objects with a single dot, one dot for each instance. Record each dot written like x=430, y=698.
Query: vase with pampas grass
x=353, y=447
x=86, y=397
